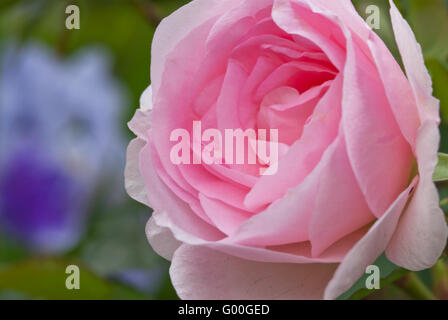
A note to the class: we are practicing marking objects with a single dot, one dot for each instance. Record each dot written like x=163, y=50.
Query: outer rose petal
x=344, y=10
x=175, y=27
x=201, y=273
x=140, y=124
x=412, y=56
x=134, y=183
x=379, y=155
x=161, y=239
x=368, y=249
x=422, y=231
x=397, y=88
x=146, y=99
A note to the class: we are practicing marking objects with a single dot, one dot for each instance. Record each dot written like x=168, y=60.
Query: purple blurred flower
x=40, y=203
x=59, y=137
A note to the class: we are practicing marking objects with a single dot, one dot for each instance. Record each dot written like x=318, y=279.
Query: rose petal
x=368, y=249
x=298, y=19
x=422, y=232
x=303, y=155
x=398, y=90
x=176, y=27
x=200, y=273
x=162, y=199
x=134, y=183
x=146, y=99
x=339, y=207
x=413, y=61
x=226, y=218
x=140, y=124
x=380, y=156
x=161, y=239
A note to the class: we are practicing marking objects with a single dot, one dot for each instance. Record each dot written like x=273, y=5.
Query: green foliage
x=389, y=273
x=441, y=172
x=429, y=20
x=45, y=279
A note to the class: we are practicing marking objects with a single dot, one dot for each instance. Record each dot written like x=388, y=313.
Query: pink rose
x=357, y=149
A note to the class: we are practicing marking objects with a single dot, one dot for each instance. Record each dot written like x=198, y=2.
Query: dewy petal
x=201, y=273
x=368, y=249
x=380, y=156
x=413, y=61
x=134, y=183
x=422, y=232
x=161, y=239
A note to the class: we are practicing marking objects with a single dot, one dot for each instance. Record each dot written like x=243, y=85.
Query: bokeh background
x=65, y=99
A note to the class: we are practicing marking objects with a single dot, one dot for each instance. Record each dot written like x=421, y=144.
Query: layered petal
x=369, y=248
x=134, y=184
x=201, y=273
x=380, y=156
x=422, y=232
x=161, y=239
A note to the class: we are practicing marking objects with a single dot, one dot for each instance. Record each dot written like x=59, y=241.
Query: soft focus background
x=65, y=99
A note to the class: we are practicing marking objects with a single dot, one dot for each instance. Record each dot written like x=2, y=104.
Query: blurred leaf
x=45, y=279
x=441, y=172
x=429, y=20
x=385, y=32
x=439, y=74
x=387, y=268
x=10, y=251
x=167, y=292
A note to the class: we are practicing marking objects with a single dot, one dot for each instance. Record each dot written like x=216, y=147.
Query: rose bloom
x=358, y=144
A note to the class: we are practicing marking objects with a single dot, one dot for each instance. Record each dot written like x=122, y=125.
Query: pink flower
x=357, y=145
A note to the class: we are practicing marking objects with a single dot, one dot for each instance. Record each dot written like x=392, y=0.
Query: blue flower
x=59, y=137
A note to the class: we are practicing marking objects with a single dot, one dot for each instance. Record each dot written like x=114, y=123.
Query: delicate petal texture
x=200, y=273
x=412, y=56
x=146, y=99
x=398, y=90
x=141, y=123
x=293, y=20
x=161, y=239
x=175, y=27
x=134, y=183
x=162, y=199
x=346, y=211
x=422, y=233
x=374, y=140
x=304, y=154
x=368, y=249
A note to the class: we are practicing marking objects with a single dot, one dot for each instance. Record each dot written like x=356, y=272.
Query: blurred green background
x=113, y=253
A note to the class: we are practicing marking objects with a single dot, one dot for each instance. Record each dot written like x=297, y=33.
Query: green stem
x=415, y=288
